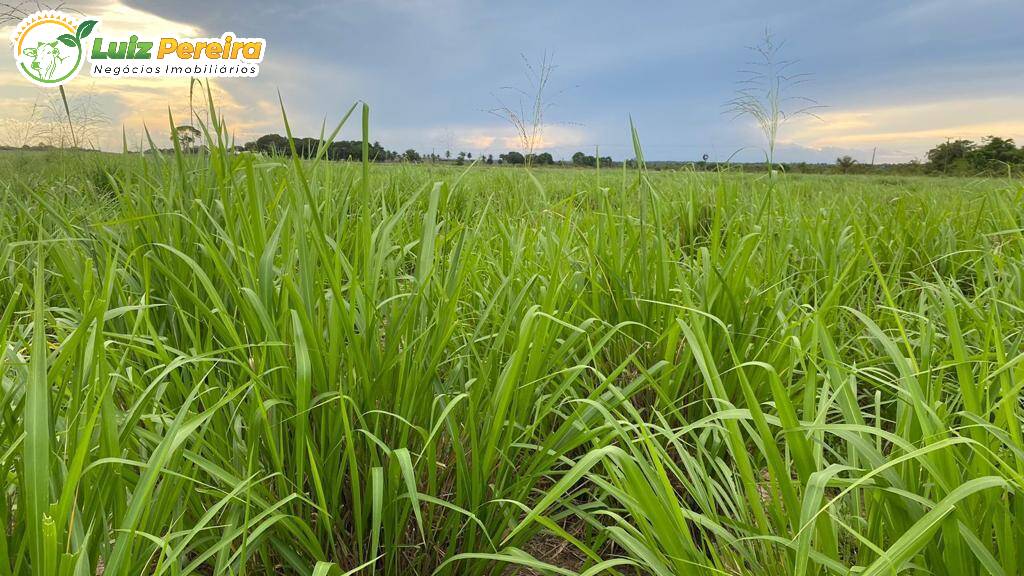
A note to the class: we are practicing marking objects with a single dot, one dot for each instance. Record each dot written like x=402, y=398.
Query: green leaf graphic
x=85, y=28
x=68, y=40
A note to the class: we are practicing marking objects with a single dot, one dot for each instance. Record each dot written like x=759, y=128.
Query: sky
x=892, y=78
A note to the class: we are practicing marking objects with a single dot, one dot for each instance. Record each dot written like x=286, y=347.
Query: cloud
x=900, y=76
x=904, y=132
x=491, y=138
x=116, y=15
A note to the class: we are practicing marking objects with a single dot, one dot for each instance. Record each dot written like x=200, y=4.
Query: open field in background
x=232, y=364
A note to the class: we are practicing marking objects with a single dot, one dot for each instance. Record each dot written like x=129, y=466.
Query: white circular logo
x=49, y=47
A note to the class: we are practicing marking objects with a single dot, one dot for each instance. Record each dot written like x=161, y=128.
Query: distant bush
x=994, y=155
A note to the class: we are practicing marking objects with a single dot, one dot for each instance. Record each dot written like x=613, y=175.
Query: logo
x=50, y=47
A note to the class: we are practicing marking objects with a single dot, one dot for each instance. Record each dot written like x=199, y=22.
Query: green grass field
x=231, y=364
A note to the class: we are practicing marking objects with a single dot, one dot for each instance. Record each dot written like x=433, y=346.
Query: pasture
x=232, y=364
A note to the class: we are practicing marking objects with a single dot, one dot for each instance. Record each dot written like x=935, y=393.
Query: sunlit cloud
x=908, y=131
x=503, y=139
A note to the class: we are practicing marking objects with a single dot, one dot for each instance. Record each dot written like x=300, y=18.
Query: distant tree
x=461, y=158
x=949, y=156
x=845, y=164
x=311, y=147
x=490, y=158
x=513, y=157
x=544, y=159
x=581, y=159
x=469, y=155
x=186, y=136
x=411, y=155
x=271, y=144
x=447, y=154
x=996, y=154
x=342, y=150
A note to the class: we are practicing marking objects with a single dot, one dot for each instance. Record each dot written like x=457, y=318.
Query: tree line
x=993, y=155
x=276, y=144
